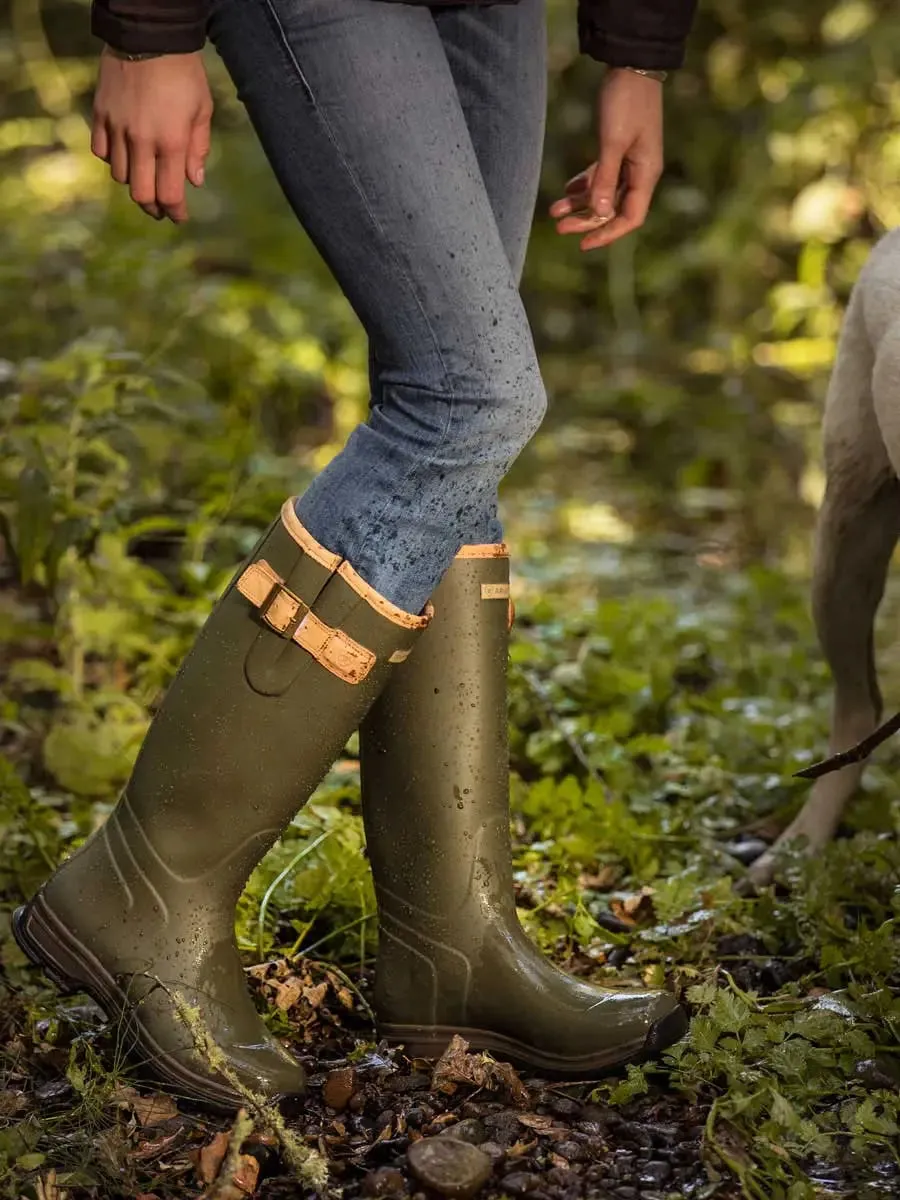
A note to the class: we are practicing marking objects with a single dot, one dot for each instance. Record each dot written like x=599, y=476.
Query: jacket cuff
x=628, y=52
x=131, y=35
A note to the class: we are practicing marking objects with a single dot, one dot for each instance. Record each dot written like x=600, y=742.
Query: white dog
x=857, y=529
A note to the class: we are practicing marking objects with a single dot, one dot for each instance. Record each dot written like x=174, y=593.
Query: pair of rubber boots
x=297, y=654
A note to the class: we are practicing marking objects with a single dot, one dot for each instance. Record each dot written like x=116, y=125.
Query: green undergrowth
x=655, y=721
x=648, y=732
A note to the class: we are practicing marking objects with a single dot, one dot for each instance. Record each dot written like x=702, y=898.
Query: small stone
x=519, y=1183
x=54, y=1091
x=386, y=1181
x=448, y=1166
x=878, y=1073
x=654, y=1174
x=494, y=1151
x=571, y=1151
x=562, y=1106
x=626, y=1192
x=471, y=1130
x=747, y=850
x=504, y=1127
x=339, y=1087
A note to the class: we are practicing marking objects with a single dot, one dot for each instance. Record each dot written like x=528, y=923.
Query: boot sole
x=430, y=1041
x=72, y=968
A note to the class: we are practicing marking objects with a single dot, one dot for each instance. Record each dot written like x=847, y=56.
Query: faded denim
x=408, y=142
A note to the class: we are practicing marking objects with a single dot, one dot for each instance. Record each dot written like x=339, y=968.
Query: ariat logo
x=495, y=591
x=399, y=656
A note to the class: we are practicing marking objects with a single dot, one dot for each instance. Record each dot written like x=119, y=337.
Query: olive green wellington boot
x=281, y=674
x=452, y=957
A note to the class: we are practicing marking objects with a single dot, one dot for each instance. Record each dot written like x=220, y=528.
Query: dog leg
x=856, y=532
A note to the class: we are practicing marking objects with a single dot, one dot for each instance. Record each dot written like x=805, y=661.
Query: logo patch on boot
x=495, y=591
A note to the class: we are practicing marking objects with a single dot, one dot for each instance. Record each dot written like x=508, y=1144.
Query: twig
x=858, y=753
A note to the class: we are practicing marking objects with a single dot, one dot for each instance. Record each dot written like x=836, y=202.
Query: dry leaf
x=211, y=1157
x=456, y=1065
x=315, y=995
x=241, y=1184
x=287, y=994
x=149, y=1110
x=544, y=1125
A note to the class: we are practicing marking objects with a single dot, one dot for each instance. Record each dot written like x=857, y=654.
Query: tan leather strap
x=291, y=618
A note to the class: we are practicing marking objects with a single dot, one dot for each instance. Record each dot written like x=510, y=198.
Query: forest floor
x=660, y=700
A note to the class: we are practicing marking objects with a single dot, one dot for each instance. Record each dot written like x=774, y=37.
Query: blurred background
x=163, y=389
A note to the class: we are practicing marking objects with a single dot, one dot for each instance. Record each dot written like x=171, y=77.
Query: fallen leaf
x=544, y=1125
x=149, y=1110
x=457, y=1065
x=211, y=1157
x=241, y=1184
x=315, y=995
x=288, y=993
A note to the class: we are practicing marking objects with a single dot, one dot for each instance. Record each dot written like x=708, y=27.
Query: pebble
x=519, y=1183
x=494, y=1151
x=562, y=1106
x=471, y=1130
x=747, y=850
x=448, y=1166
x=339, y=1087
x=654, y=1174
x=571, y=1151
x=386, y=1181
x=504, y=1127
x=878, y=1073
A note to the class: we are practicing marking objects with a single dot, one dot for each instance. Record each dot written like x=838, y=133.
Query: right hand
x=151, y=124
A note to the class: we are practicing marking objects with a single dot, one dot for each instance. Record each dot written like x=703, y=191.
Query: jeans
x=408, y=142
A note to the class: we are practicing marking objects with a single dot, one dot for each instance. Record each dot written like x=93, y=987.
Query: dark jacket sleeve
x=151, y=26
x=636, y=33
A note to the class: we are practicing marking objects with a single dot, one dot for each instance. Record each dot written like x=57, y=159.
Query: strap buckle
x=287, y=630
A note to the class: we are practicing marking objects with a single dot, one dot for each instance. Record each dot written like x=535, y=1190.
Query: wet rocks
x=470, y=1130
x=519, y=1183
x=448, y=1166
x=654, y=1174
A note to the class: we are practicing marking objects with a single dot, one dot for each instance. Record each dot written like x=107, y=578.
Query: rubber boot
x=282, y=673
x=452, y=956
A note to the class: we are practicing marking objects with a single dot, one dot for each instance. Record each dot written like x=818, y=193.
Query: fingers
x=198, y=149
x=142, y=177
x=171, y=164
x=635, y=204
x=118, y=156
x=605, y=180
x=100, y=139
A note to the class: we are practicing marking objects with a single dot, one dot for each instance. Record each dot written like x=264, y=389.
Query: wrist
x=145, y=56
x=645, y=72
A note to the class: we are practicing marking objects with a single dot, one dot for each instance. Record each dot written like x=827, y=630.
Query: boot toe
x=668, y=1024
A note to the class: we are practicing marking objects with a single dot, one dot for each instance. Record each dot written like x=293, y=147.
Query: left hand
x=612, y=196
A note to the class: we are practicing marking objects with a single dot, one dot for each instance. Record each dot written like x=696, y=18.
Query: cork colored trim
x=489, y=550
x=510, y=616
x=291, y=618
x=382, y=606
x=305, y=539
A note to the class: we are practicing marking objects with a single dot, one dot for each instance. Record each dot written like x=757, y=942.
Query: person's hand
x=151, y=124
x=611, y=197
